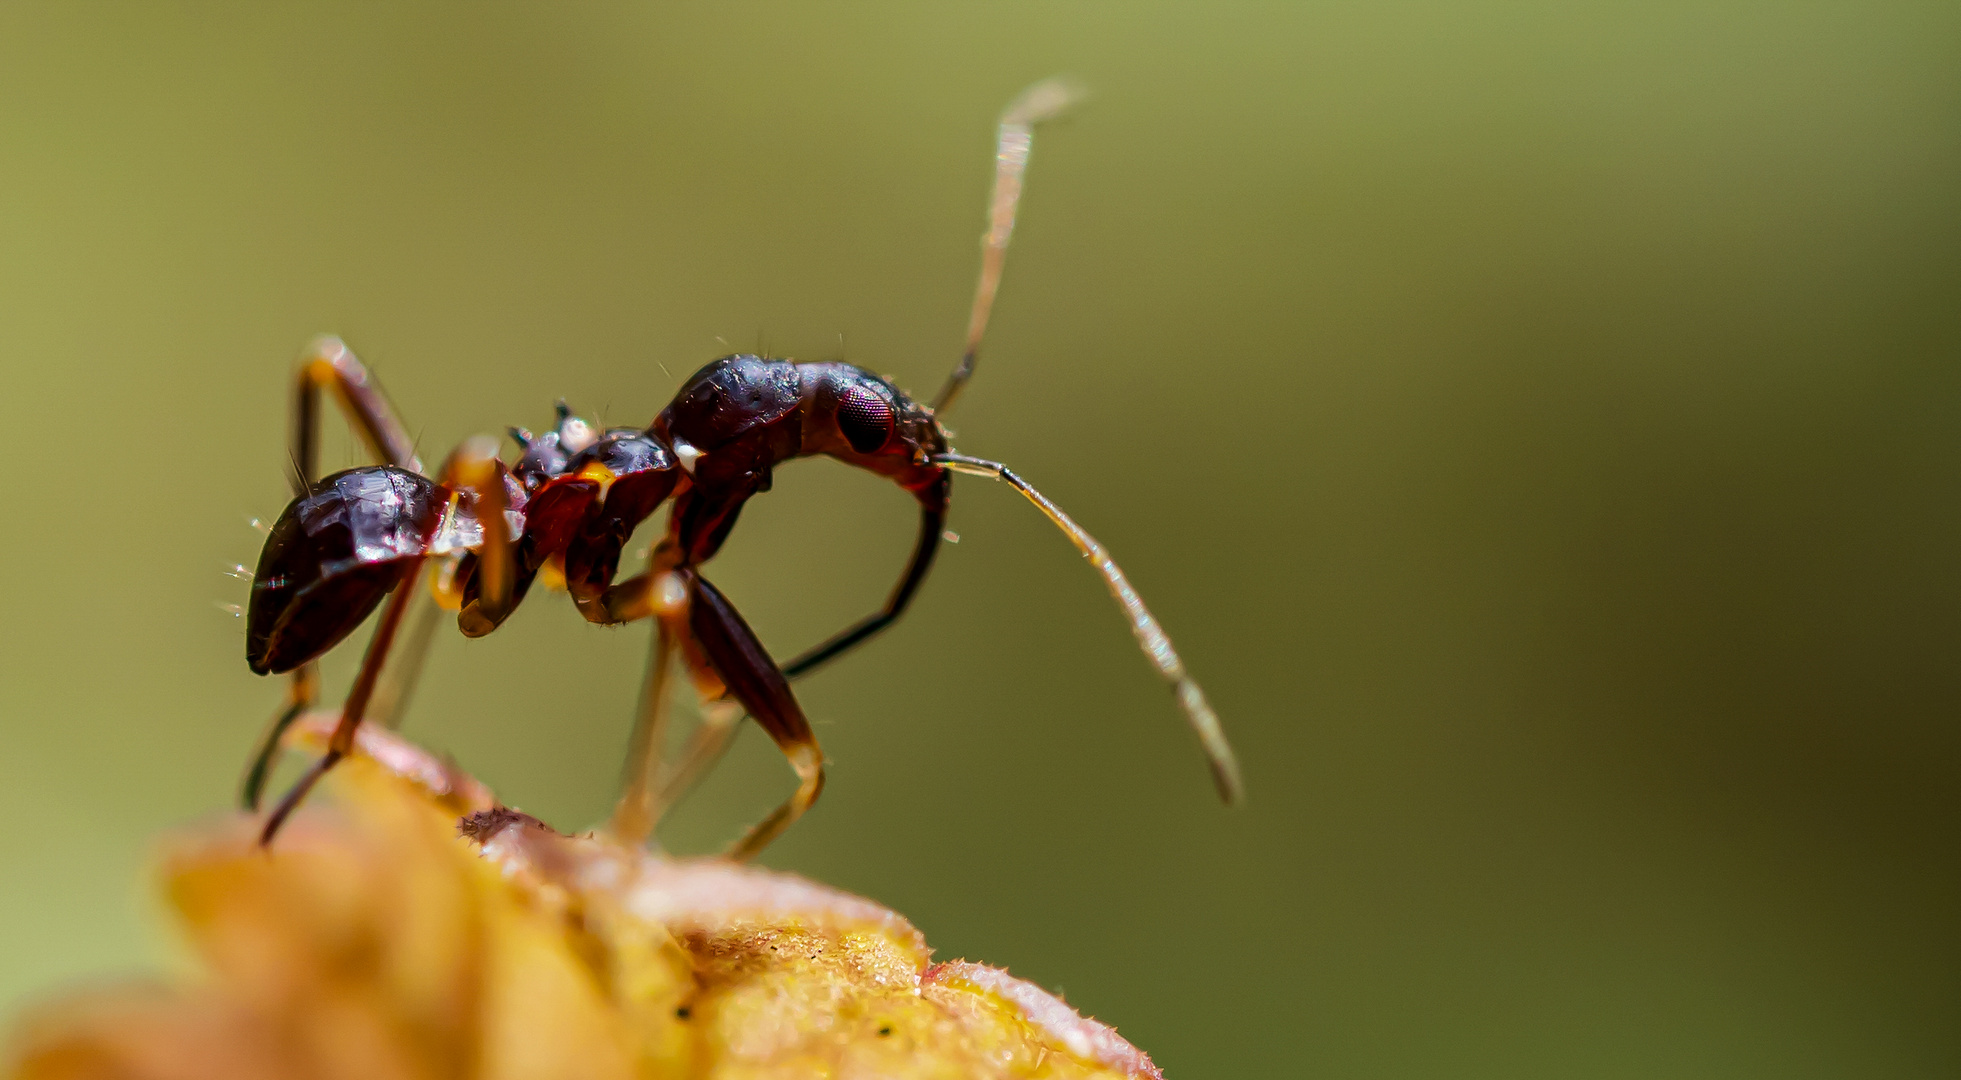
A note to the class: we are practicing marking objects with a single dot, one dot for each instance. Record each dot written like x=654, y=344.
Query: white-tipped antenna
x=1043, y=101
x=1150, y=636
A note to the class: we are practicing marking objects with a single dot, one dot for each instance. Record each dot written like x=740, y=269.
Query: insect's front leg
x=932, y=522
x=731, y=672
x=734, y=656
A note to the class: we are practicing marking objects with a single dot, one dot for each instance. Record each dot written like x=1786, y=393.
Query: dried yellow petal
x=379, y=940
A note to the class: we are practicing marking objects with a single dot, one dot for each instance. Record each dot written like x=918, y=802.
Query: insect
x=361, y=539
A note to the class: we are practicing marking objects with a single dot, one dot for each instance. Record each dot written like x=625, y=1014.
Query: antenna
x=1150, y=636
x=1043, y=101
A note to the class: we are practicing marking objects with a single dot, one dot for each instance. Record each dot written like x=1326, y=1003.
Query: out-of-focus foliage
x=381, y=941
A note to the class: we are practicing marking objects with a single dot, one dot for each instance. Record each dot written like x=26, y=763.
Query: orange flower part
x=410, y=928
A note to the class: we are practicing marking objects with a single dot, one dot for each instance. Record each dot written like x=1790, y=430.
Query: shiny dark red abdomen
x=332, y=556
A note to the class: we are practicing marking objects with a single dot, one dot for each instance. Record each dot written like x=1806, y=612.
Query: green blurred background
x=1537, y=424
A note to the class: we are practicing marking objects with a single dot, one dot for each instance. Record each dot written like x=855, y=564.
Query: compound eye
x=865, y=418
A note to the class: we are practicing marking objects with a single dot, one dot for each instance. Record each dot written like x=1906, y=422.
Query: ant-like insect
x=568, y=507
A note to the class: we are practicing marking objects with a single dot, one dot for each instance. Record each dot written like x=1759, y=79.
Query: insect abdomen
x=331, y=557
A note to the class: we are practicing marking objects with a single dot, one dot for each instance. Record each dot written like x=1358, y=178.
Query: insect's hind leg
x=341, y=743
x=327, y=365
x=474, y=466
x=301, y=693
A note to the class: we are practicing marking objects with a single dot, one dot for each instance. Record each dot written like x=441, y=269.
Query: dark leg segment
x=301, y=692
x=399, y=678
x=638, y=598
x=932, y=521
x=750, y=677
x=342, y=741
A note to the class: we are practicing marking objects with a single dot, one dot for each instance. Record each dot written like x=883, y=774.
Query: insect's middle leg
x=639, y=808
x=474, y=467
